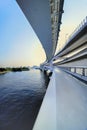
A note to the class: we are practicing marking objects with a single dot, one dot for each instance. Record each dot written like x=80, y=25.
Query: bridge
x=64, y=106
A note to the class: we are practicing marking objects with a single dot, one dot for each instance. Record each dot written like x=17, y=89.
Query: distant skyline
x=19, y=45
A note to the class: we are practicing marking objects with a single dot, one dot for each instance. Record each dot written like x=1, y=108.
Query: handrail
x=77, y=30
x=78, y=70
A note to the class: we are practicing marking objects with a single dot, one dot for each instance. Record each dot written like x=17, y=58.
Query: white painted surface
x=46, y=119
x=71, y=102
x=38, y=14
x=82, y=62
x=65, y=104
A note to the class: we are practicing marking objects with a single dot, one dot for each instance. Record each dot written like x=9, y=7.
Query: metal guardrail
x=77, y=30
x=78, y=70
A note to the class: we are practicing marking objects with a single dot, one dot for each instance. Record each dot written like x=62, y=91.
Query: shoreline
x=14, y=69
x=4, y=72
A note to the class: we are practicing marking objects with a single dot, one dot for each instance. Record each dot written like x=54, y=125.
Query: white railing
x=77, y=30
x=79, y=70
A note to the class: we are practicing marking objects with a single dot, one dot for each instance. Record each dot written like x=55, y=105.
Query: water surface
x=21, y=94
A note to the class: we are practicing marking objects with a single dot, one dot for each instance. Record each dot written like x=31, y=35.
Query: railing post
x=74, y=70
x=86, y=18
x=83, y=71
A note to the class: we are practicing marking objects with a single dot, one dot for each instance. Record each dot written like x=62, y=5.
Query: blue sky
x=19, y=46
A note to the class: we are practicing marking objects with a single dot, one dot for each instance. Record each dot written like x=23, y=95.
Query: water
x=21, y=95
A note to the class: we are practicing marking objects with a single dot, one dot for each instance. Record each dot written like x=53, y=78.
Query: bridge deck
x=70, y=110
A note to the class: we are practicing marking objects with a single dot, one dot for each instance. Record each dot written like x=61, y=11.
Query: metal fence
x=78, y=70
x=82, y=25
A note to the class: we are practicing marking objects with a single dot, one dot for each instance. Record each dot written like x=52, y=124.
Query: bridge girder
x=45, y=18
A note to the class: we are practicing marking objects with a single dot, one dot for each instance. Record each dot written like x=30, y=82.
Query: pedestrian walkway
x=65, y=104
x=71, y=102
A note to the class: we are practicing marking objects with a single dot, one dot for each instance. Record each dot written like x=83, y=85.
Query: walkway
x=65, y=104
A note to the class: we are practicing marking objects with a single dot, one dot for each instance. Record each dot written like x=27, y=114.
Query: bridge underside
x=45, y=18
